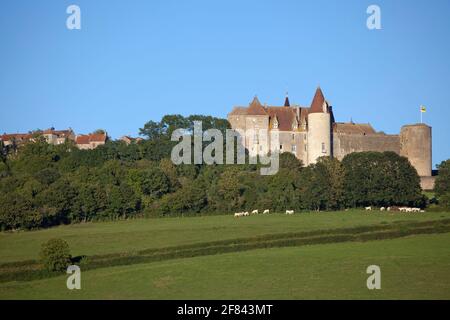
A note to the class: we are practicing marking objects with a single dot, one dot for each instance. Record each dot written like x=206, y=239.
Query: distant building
x=51, y=135
x=55, y=137
x=129, y=140
x=91, y=141
x=312, y=132
x=15, y=138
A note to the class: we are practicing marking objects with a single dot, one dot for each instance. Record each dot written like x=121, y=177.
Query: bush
x=55, y=255
x=442, y=185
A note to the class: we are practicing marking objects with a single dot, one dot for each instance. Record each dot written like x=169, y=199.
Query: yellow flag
x=423, y=109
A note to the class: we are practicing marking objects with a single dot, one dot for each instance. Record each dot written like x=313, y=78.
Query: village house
x=91, y=141
x=51, y=135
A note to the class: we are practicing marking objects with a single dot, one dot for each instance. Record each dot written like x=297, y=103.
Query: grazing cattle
x=238, y=214
x=255, y=212
x=266, y=211
x=388, y=209
x=289, y=211
x=246, y=214
x=422, y=210
x=368, y=208
x=382, y=208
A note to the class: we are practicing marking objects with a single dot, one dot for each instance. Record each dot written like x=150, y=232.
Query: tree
x=55, y=255
x=123, y=201
x=442, y=184
x=152, y=130
x=380, y=179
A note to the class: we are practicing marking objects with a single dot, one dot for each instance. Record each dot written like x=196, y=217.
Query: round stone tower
x=319, y=128
x=415, y=144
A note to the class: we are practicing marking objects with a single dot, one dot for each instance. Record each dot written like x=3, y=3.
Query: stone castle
x=312, y=132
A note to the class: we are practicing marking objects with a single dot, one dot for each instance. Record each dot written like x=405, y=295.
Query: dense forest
x=42, y=185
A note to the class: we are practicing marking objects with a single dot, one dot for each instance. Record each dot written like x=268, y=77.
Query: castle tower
x=415, y=144
x=319, y=128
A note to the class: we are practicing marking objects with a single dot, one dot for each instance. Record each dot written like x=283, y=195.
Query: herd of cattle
x=401, y=209
x=246, y=213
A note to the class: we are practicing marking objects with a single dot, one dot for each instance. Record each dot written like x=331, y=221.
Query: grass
x=308, y=255
x=141, y=234
x=415, y=267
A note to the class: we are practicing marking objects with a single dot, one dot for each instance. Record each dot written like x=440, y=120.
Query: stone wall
x=427, y=183
x=344, y=144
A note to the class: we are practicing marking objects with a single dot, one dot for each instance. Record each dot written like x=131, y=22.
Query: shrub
x=55, y=255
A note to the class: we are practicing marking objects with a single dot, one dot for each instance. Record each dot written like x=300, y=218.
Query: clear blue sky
x=133, y=61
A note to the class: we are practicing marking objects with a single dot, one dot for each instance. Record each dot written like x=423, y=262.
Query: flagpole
x=421, y=116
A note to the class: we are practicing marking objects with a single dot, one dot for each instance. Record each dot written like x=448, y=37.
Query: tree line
x=43, y=185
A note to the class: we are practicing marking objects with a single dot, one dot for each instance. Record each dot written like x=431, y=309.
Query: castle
x=312, y=132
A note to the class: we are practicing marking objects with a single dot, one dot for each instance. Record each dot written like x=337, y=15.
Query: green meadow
x=304, y=256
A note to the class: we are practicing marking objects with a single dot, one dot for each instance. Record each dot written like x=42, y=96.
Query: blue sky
x=134, y=61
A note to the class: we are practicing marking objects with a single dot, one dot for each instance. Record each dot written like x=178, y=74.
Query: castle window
x=293, y=136
x=281, y=147
x=305, y=148
x=294, y=148
x=255, y=138
x=324, y=149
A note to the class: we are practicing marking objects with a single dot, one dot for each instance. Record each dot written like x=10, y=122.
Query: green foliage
x=322, y=184
x=44, y=185
x=442, y=184
x=55, y=255
x=380, y=179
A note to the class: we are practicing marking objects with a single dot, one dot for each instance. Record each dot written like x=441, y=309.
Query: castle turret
x=415, y=144
x=319, y=128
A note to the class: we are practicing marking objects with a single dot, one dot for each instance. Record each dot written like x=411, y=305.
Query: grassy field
x=140, y=234
x=416, y=266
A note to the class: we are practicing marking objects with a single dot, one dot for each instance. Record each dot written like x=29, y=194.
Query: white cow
x=382, y=208
x=388, y=209
x=238, y=214
x=368, y=208
x=289, y=211
x=255, y=212
x=246, y=214
x=266, y=211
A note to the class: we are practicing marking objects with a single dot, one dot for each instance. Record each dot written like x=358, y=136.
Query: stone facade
x=311, y=132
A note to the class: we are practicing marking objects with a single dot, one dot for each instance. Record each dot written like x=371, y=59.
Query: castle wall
x=294, y=142
x=415, y=144
x=237, y=122
x=427, y=183
x=319, y=136
x=344, y=144
x=252, y=135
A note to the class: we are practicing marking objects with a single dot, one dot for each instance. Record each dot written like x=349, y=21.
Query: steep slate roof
x=285, y=117
x=255, y=108
x=237, y=111
x=353, y=128
x=317, y=103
